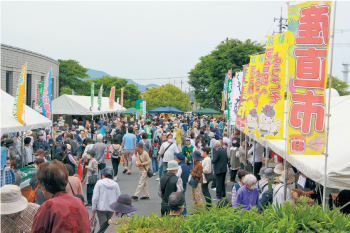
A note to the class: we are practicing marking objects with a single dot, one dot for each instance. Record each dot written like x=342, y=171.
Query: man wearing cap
x=58, y=143
x=143, y=162
x=183, y=172
x=266, y=174
x=169, y=183
x=40, y=154
x=16, y=213
x=278, y=191
x=40, y=143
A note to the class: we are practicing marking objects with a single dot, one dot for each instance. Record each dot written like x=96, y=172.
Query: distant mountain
x=94, y=74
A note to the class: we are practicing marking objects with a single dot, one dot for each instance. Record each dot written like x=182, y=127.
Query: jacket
x=92, y=167
x=144, y=159
x=74, y=146
x=101, y=151
x=74, y=185
x=185, y=173
x=220, y=161
x=106, y=192
x=197, y=171
x=168, y=186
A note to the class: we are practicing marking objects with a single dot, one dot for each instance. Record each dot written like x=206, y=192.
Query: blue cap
x=180, y=156
x=64, y=128
x=58, y=139
x=51, y=141
x=156, y=140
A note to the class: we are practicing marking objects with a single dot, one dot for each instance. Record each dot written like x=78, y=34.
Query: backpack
x=155, y=150
x=115, y=153
x=267, y=198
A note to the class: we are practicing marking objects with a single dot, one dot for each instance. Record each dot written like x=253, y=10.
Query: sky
x=146, y=41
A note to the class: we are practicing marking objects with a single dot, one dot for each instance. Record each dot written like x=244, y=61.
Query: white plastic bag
x=133, y=159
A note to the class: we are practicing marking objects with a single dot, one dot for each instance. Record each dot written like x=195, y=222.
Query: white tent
x=338, y=169
x=9, y=124
x=80, y=105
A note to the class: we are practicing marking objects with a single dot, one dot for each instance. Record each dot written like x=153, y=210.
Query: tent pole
x=92, y=119
x=328, y=114
x=254, y=145
x=23, y=157
x=245, y=150
x=266, y=154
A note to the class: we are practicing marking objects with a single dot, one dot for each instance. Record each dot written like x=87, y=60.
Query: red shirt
x=62, y=213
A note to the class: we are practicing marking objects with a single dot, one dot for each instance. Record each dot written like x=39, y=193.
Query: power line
x=156, y=78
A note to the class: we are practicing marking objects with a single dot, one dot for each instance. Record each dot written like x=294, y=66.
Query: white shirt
x=29, y=154
x=193, y=143
x=229, y=142
x=259, y=152
x=278, y=195
x=179, y=172
x=206, y=164
x=169, y=154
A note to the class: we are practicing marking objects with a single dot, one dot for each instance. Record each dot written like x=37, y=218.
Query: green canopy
x=130, y=111
x=206, y=111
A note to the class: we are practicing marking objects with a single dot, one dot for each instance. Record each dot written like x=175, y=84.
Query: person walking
x=179, y=136
x=115, y=150
x=197, y=174
x=167, y=150
x=220, y=168
x=155, y=151
x=184, y=173
x=92, y=169
x=143, y=162
x=168, y=184
x=106, y=192
x=129, y=146
x=74, y=184
x=188, y=150
x=101, y=151
x=160, y=156
x=206, y=164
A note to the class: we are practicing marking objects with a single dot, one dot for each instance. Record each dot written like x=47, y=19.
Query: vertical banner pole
x=266, y=154
x=328, y=112
x=245, y=150
x=23, y=157
x=254, y=156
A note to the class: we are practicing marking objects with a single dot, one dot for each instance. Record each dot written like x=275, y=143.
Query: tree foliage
x=166, y=95
x=72, y=75
x=339, y=85
x=131, y=94
x=207, y=77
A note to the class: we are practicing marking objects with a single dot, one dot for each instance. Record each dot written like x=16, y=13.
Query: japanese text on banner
x=111, y=98
x=18, y=105
x=240, y=120
x=47, y=96
x=251, y=116
x=236, y=96
x=272, y=79
x=229, y=90
x=308, y=30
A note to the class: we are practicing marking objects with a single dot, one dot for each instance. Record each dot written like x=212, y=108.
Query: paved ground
x=128, y=185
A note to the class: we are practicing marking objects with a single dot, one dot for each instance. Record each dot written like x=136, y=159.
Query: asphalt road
x=128, y=185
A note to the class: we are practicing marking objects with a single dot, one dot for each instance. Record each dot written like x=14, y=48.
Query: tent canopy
x=130, y=111
x=338, y=168
x=9, y=124
x=80, y=105
x=166, y=109
x=207, y=111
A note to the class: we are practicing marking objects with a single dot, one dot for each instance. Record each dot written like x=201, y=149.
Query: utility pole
x=189, y=93
x=280, y=20
x=181, y=85
x=226, y=40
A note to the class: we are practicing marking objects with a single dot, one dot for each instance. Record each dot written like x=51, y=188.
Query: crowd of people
x=197, y=153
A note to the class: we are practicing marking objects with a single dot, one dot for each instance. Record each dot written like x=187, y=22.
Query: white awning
x=80, y=105
x=338, y=169
x=9, y=124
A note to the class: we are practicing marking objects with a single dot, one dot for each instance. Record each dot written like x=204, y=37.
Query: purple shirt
x=247, y=198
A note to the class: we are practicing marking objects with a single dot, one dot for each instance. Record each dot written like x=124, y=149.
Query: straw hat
x=29, y=132
x=279, y=169
x=290, y=177
x=12, y=200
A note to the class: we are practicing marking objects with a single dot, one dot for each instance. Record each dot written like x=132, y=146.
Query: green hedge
x=286, y=218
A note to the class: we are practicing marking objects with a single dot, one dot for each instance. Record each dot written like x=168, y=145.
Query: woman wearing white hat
x=278, y=191
x=16, y=213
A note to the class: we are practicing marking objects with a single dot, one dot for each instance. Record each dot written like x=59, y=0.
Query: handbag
x=193, y=182
x=209, y=177
x=93, y=222
x=32, y=195
x=92, y=179
x=149, y=170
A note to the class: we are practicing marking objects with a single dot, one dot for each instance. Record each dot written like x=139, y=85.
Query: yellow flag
x=272, y=79
x=308, y=30
x=18, y=105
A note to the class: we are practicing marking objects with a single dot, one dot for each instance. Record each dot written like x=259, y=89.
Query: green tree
x=166, y=95
x=71, y=74
x=65, y=90
x=207, y=77
x=339, y=85
x=131, y=94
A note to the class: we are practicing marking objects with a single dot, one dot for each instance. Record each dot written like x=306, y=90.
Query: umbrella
x=207, y=111
x=166, y=109
x=130, y=111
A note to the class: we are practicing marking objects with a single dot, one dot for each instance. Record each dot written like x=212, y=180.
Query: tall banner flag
x=18, y=105
x=236, y=96
x=225, y=88
x=39, y=88
x=240, y=120
x=223, y=102
x=47, y=96
x=251, y=115
x=111, y=98
x=99, y=98
x=139, y=108
x=272, y=88
x=144, y=110
x=229, y=90
x=122, y=97
x=92, y=95
x=308, y=30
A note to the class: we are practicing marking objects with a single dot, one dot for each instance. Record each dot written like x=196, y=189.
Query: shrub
x=286, y=218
